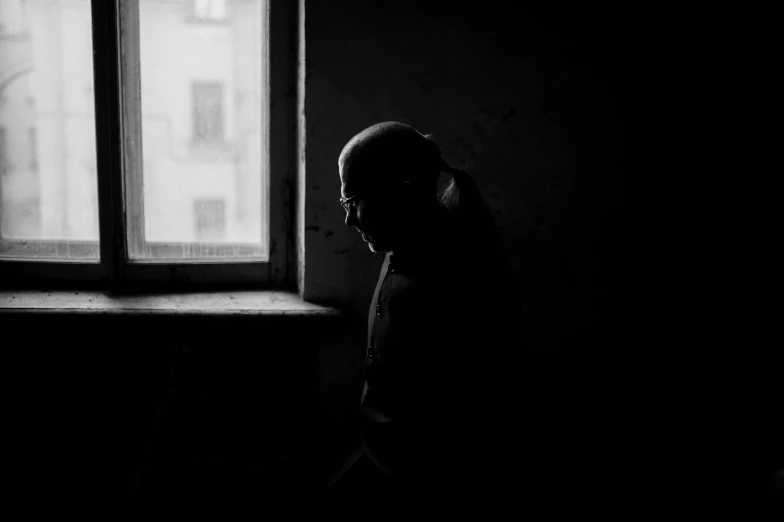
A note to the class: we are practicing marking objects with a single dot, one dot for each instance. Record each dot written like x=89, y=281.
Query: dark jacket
x=443, y=362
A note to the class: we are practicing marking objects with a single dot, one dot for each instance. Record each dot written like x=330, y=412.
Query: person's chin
x=377, y=248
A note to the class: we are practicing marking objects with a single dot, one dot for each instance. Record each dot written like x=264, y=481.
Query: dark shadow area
x=174, y=418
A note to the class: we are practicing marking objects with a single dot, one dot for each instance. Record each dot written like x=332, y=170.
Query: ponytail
x=472, y=214
x=465, y=203
x=463, y=196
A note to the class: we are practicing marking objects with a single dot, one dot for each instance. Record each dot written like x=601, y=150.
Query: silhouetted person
x=443, y=414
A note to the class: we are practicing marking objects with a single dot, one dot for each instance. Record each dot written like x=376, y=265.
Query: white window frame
x=119, y=160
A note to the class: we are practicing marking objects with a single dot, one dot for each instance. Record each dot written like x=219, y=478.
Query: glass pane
x=202, y=194
x=48, y=182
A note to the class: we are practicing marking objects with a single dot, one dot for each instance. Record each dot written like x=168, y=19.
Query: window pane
x=202, y=194
x=48, y=182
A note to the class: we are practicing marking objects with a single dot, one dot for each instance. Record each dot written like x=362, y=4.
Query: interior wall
x=627, y=158
x=141, y=416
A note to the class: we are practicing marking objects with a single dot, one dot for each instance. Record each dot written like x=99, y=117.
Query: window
x=207, y=112
x=210, y=219
x=52, y=215
x=155, y=156
x=200, y=139
x=209, y=10
x=11, y=17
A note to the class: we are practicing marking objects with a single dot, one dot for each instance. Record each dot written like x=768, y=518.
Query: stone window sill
x=242, y=303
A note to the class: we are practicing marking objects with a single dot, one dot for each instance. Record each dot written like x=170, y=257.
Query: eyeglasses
x=348, y=203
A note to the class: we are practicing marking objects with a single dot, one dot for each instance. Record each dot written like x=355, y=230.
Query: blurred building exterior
x=202, y=94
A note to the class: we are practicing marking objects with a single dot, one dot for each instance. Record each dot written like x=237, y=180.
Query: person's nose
x=351, y=218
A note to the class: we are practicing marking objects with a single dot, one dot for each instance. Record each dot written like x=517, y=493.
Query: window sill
x=244, y=303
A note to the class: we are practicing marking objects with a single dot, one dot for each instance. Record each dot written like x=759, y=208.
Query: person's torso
x=432, y=362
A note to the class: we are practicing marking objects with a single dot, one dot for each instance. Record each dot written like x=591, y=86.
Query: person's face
x=373, y=216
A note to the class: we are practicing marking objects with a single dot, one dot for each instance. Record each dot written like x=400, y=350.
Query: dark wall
x=629, y=158
x=151, y=417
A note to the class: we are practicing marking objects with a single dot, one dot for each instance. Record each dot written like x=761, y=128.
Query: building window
x=207, y=112
x=209, y=219
x=11, y=17
x=209, y=10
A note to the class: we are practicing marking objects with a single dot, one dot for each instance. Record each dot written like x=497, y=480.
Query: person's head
x=388, y=175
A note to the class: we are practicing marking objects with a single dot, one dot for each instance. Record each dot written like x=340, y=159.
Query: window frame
x=115, y=26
